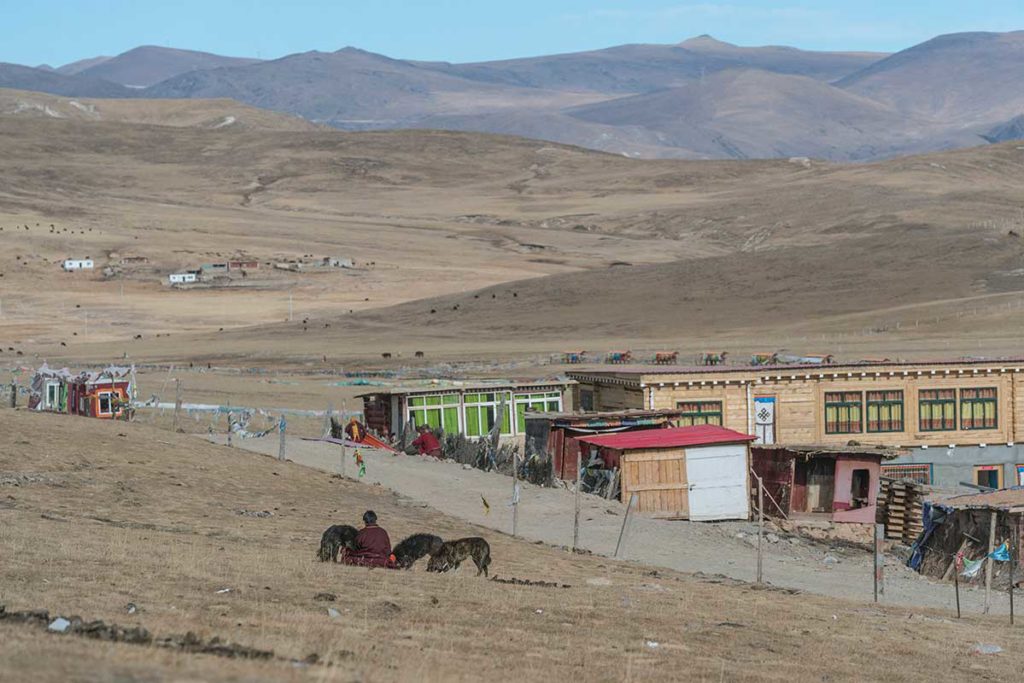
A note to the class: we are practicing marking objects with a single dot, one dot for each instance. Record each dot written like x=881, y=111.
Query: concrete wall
x=950, y=466
x=845, y=466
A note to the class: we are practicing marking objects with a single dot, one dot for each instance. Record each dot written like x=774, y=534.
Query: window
x=52, y=394
x=438, y=412
x=978, y=408
x=544, y=402
x=922, y=473
x=937, y=410
x=106, y=401
x=700, y=413
x=586, y=400
x=885, y=411
x=843, y=412
x=482, y=411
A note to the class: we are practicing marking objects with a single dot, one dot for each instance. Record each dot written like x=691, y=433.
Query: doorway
x=990, y=476
x=814, y=485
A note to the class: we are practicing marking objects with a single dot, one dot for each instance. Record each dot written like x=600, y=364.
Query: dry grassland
x=96, y=515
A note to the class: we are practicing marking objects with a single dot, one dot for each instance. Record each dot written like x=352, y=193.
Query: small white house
x=181, y=278
x=77, y=264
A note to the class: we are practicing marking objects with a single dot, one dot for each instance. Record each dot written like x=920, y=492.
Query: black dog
x=416, y=546
x=334, y=539
x=453, y=553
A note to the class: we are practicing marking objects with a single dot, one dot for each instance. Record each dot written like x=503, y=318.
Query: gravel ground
x=546, y=515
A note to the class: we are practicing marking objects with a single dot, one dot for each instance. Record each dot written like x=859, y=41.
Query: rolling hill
x=49, y=81
x=147, y=65
x=962, y=79
x=213, y=114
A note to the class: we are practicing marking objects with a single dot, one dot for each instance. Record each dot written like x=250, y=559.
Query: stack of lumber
x=900, y=509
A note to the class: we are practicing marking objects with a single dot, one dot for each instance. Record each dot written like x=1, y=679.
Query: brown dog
x=453, y=553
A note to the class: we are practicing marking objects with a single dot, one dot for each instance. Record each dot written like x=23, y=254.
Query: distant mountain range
x=701, y=98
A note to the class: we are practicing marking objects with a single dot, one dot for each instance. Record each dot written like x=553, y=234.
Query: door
x=821, y=484
x=658, y=478
x=990, y=476
x=764, y=419
x=717, y=478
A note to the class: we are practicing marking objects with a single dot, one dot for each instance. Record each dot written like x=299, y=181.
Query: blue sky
x=59, y=31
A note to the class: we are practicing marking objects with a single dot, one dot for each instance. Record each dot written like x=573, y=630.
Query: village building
x=244, y=264
x=471, y=408
x=183, y=278
x=106, y=394
x=72, y=264
x=698, y=473
x=49, y=390
x=213, y=268
x=556, y=436
x=956, y=420
x=839, y=483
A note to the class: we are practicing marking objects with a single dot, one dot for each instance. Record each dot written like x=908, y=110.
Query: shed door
x=658, y=478
x=718, y=482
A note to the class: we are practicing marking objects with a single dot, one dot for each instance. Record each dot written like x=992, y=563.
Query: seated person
x=355, y=430
x=372, y=543
x=426, y=443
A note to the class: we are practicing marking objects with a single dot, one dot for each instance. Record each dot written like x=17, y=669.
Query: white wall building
x=77, y=264
x=181, y=278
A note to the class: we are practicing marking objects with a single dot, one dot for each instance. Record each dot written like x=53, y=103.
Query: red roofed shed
x=696, y=473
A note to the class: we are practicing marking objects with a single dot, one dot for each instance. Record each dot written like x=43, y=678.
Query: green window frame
x=936, y=410
x=547, y=402
x=844, y=412
x=481, y=411
x=437, y=411
x=884, y=411
x=699, y=413
x=979, y=408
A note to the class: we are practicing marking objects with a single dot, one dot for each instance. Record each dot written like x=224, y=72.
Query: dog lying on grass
x=415, y=547
x=453, y=553
x=334, y=539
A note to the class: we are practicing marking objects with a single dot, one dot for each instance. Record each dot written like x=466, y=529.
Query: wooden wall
x=658, y=476
x=800, y=400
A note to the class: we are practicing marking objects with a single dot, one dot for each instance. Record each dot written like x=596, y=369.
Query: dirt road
x=546, y=515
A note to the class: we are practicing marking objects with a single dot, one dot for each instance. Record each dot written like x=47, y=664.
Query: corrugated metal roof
x=467, y=386
x=701, y=435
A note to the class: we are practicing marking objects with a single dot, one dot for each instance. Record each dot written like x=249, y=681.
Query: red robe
x=427, y=444
x=374, y=548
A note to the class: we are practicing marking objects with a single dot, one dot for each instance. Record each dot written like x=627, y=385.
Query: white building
x=77, y=264
x=181, y=278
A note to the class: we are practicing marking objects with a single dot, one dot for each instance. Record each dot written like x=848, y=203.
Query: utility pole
x=290, y=310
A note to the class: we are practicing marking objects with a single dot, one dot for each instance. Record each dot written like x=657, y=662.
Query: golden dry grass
x=153, y=518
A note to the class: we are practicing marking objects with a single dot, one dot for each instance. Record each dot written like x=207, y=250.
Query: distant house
x=243, y=265
x=214, y=268
x=49, y=391
x=77, y=264
x=334, y=262
x=182, y=278
x=106, y=394
x=131, y=260
x=471, y=408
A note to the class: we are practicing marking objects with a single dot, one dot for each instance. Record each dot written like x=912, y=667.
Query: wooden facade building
x=970, y=412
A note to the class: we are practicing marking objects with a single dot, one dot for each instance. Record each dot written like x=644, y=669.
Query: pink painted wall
x=845, y=465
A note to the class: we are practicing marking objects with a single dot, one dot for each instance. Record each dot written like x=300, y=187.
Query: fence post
x=327, y=420
x=229, y=428
x=515, y=496
x=177, y=401
x=576, y=516
x=988, y=560
x=625, y=521
x=879, y=561
x=760, y=531
x=281, y=426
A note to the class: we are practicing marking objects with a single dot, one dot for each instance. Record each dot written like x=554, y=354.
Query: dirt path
x=546, y=514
